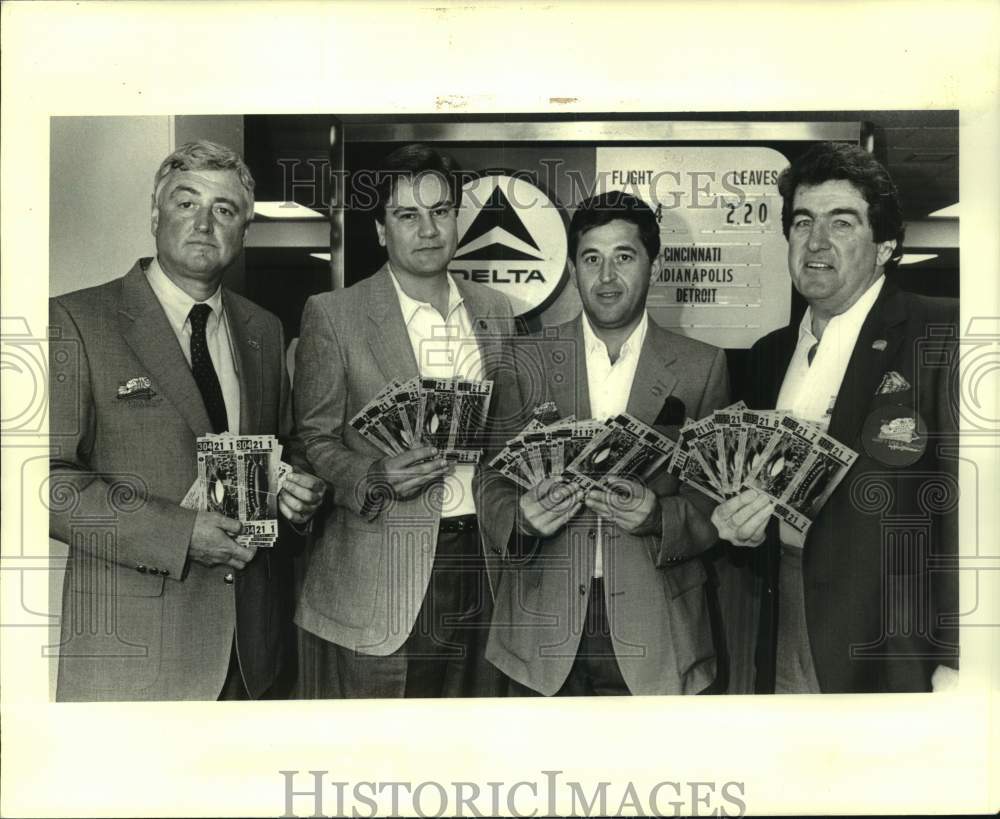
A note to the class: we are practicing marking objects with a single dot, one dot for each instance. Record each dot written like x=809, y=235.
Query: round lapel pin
x=895, y=435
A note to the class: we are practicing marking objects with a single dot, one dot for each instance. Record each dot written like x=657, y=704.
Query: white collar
x=176, y=303
x=410, y=306
x=851, y=319
x=633, y=343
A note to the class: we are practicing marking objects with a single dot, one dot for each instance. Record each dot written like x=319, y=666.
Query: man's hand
x=742, y=520
x=300, y=496
x=212, y=542
x=548, y=506
x=944, y=679
x=407, y=473
x=628, y=504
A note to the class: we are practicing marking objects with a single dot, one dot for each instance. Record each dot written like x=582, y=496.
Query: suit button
x=229, y=578
x=141, y=569
x=165, y=572
x=583, y=589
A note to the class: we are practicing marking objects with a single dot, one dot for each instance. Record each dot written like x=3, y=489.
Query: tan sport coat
x=367, y=577
x=655, y=586
x=140, y=621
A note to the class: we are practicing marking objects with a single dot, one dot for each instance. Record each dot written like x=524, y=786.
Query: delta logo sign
x=513, y=239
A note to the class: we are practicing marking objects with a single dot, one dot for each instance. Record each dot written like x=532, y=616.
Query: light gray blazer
x=139, y=622
x=367, y=578
x=654, y=586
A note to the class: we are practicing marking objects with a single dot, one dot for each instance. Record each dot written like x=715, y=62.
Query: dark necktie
x=204, y=372
x=812, y=353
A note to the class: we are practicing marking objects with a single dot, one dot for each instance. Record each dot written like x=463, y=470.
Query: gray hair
x=202, y=155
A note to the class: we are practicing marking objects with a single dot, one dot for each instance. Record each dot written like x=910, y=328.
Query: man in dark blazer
x=397, y=583
x=867, y=601
x=160, y=602
x=601, y=593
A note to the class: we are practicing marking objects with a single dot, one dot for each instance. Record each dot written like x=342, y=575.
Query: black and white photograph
x=348, y=445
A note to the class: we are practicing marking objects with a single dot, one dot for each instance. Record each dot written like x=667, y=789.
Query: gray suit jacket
x=654, y=586
x=140, y=622
x=367, y=577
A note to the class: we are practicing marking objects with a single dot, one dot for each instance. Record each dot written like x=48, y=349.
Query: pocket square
x=671, y=413
x=138, y=387
x=892, y=382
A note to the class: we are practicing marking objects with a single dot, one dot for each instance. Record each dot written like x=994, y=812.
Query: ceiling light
x=950, y=212
x=285, y=210
x=913, y=258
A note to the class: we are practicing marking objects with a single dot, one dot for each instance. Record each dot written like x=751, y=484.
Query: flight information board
x=723, y=274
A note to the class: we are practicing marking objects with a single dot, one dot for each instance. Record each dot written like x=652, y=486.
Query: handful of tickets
x=239, y=476
x=587, y=453
x=446, y=413
x=793, y=462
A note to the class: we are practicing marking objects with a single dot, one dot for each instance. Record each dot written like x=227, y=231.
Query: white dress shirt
x=177, y=305
x=445, y=348
x=810, y=391
x=609, y=386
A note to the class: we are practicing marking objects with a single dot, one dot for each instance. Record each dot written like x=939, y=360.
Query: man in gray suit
x=397, y=584
x=605, y=593
x=161, y=602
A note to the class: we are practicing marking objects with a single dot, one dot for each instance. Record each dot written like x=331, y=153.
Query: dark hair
x=607, y=207
x=409, y=162
x=840, y=160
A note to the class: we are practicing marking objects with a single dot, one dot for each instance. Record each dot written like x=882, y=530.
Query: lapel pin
x=879, y=344
x=253, y=343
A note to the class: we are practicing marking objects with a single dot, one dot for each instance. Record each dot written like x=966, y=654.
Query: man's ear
x=884, y=251
x=246, y=225
x=380, y=230
x=655, y=268
x=572, y=271
x=154, y=215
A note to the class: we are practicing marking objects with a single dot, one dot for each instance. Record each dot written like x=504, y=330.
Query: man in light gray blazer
x=161, y=602
x=397, y=584
x=602, y=594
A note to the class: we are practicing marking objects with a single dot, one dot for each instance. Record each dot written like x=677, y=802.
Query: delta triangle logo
x=497, y=233
x=513, y=238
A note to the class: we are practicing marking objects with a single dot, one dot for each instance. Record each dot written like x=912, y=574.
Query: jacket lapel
x=146, y=331
x=489, y=330
x=387, y=336
x=654, y=379
x=768, y=371
x=886, y=322
x=776, y=372
x=247, y=346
